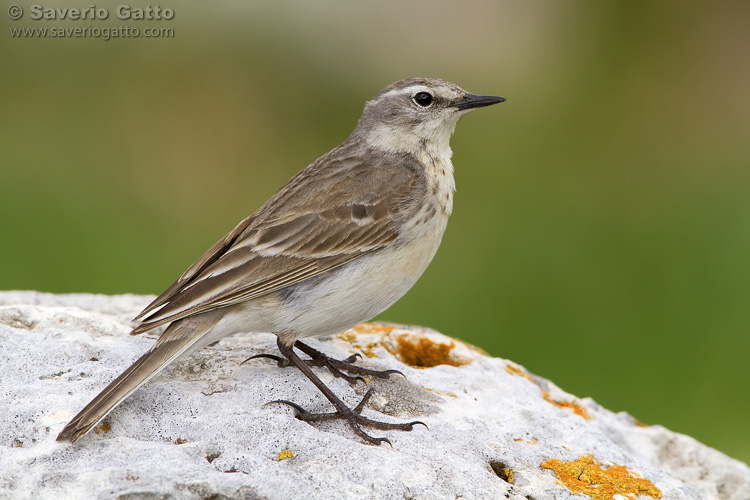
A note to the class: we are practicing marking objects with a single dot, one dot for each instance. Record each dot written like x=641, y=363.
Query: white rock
x=57, y=352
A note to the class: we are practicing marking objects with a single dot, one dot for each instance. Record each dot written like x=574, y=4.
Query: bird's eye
x=424, y=99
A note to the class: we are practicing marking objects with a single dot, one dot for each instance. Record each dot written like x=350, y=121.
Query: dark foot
x=354, y=419
x=283, y=363
x=335, y=366
x=351, y=415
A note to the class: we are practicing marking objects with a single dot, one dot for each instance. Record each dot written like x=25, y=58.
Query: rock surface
x=202, y=430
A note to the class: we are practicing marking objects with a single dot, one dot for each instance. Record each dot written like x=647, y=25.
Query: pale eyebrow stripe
x=406, y=90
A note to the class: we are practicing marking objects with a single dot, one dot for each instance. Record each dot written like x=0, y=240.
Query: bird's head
x=410, y=115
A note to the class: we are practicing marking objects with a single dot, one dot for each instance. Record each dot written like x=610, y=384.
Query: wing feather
x=329, y=214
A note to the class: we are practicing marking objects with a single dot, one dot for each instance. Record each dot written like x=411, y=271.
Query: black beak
x=471, y=101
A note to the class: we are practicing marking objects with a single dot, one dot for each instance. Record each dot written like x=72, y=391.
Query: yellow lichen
x=448, y=394
x=348, y=336
x=285, y=454
x=586, y=476
x=373, y=328
x=365, y=328
x=510, y=477
x=503, y=472
x=104, y=428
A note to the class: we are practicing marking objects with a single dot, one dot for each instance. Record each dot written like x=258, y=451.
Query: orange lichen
x=103, y=429
x=415, y=349
x=521, y=440
x=285, y=454
x=348, y=335
x=448, y=394
x=516, y=370
x=365, y=328
x=422, y=352
x=577, y=408
x=509, y=476
x=503, y=472
x=472, y=347
x=586, y=476
x=373, y=328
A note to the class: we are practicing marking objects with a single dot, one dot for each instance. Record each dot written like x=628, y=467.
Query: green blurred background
x=601, y=232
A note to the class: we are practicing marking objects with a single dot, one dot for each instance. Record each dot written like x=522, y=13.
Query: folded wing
x=322, y=219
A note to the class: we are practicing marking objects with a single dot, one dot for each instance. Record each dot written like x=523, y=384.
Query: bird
x=339, y=243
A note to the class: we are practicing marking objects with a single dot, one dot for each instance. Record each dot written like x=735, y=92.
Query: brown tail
x=179, y=339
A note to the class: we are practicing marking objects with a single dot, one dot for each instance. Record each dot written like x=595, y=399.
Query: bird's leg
x=335, y=366
x=351, y=415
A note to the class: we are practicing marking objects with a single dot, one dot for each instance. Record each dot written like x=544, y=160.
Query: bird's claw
x=353, y=417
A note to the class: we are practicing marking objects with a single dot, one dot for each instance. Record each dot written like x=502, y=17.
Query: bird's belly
x=344, y=297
